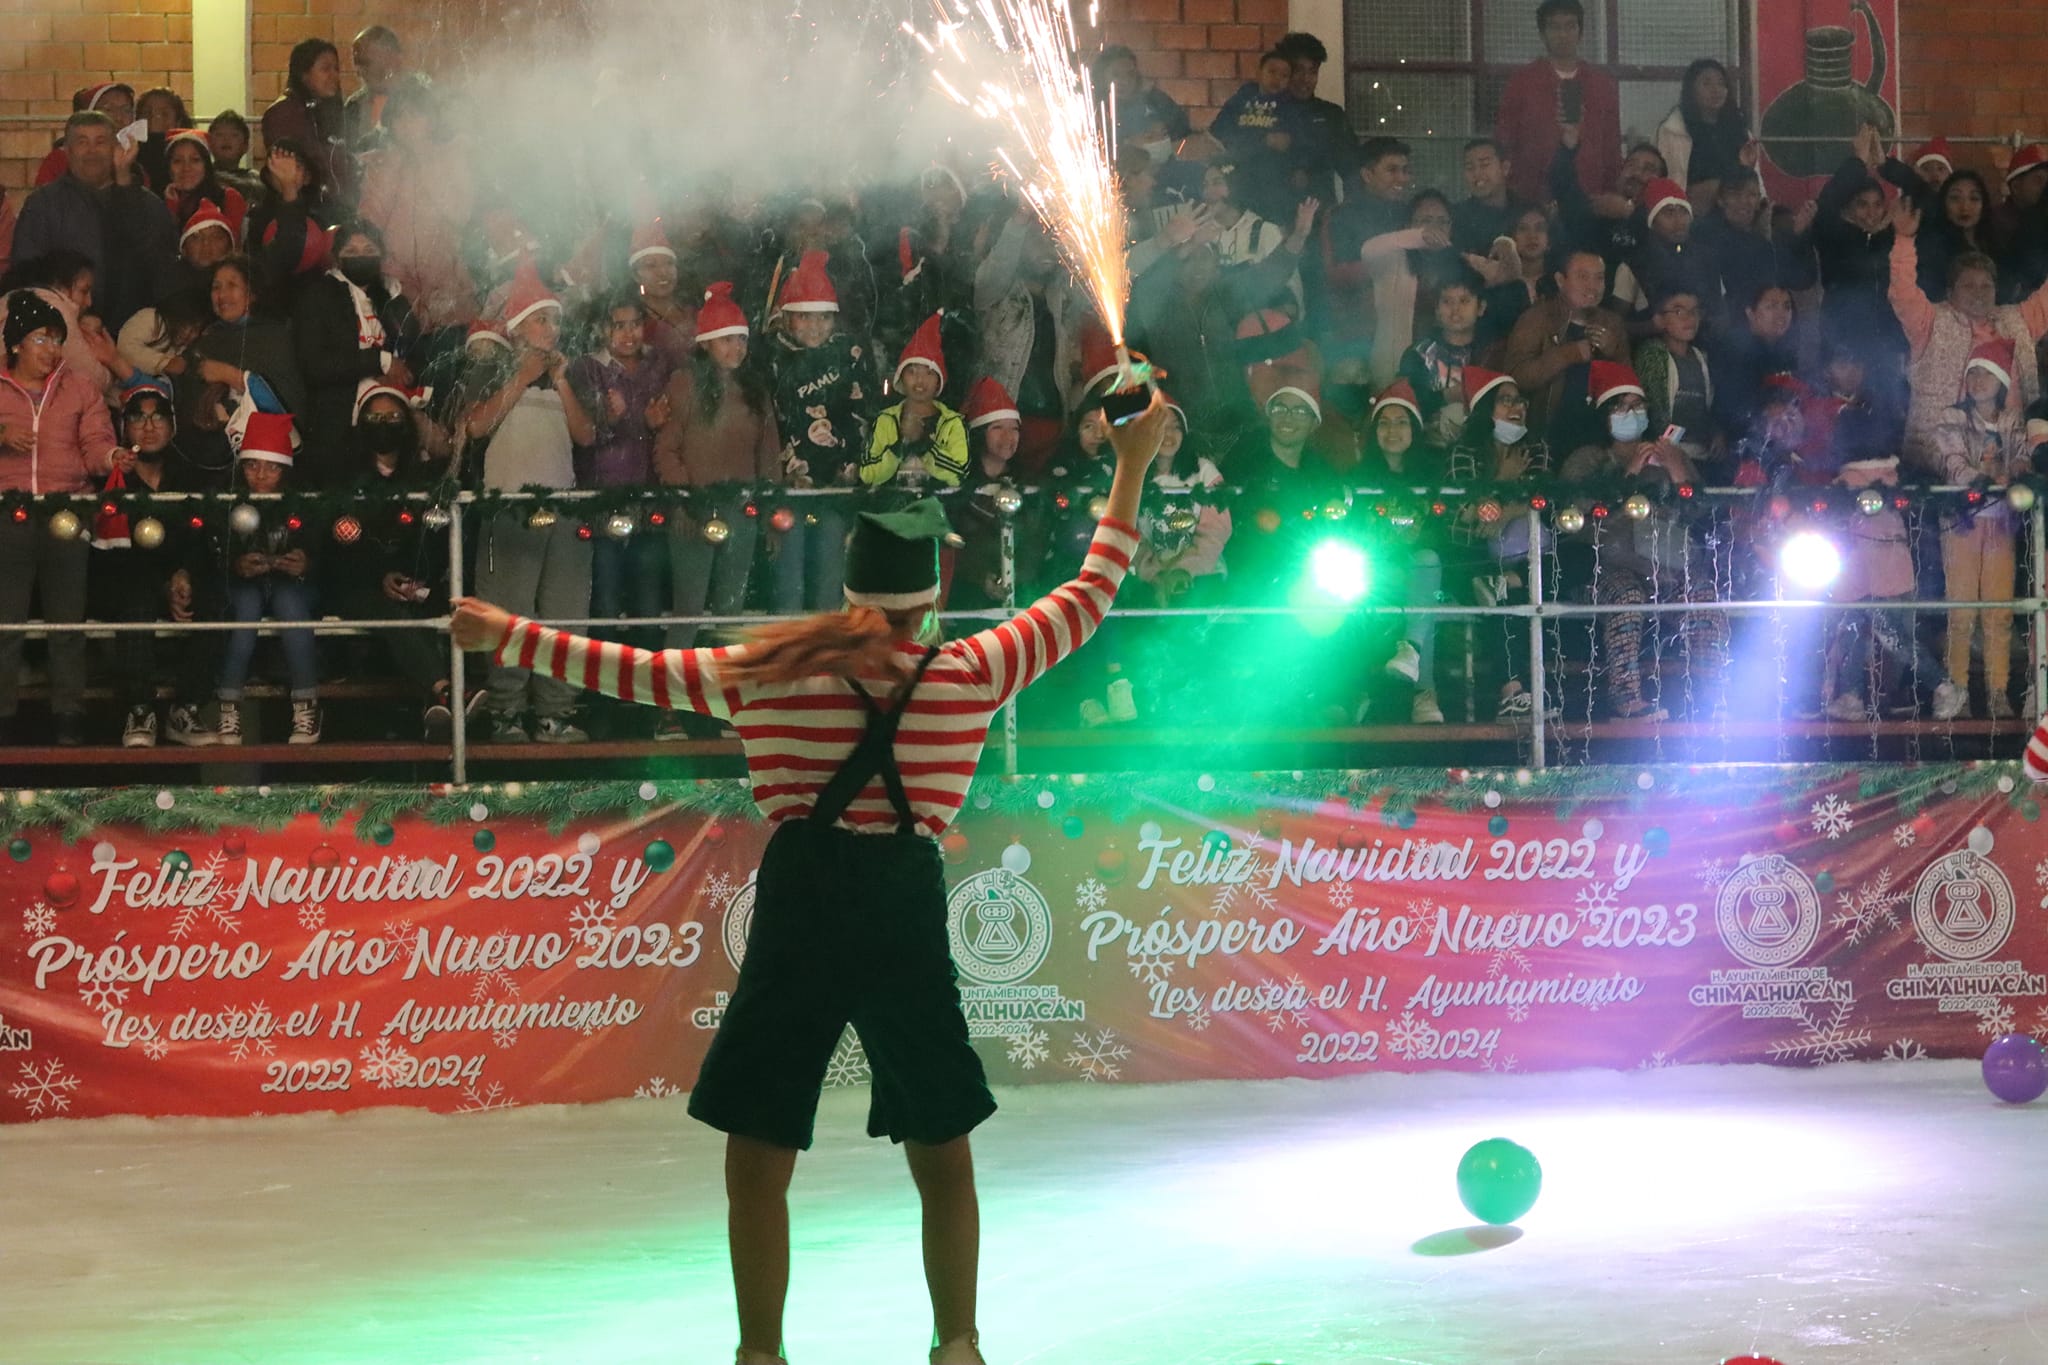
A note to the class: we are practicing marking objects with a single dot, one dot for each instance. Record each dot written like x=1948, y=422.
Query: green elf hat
x=892, y=562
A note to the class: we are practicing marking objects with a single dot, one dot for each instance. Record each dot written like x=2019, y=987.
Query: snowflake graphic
x=397, y=934
x=1712, y=873
x=718, y=888
x=1409, y=1036
x=1091, y=895
x=2040, y=1028
x=1831, y=816
x=1903, y=835
x=383, y=1064
x=1288, y=1018
x=1342, y=894
x=476, y=1099
x=239, y=1049
x=592, y=914
x=2041, y=874
x=1498, y=962
x=1197, y=1019
x=494, y=984
x=849, y=1064
x=1151, y=968
x=216, y=912
x=1420, y=919
x=1995, y=1019
x=1029, y=1048
x=657, y=1088
x=38, y=919
x=1506, y=1063
x=313, y=916
x=1596, y=896
x=1518, y=1013
x=44, y=1087
x=505, y=1037
x=101, y=996
x=155, y=1048
x=1656, y=1061
x=1098, y=1056
x=1250, y=894
x=1822, y=1037
x=1876, y=902
x=1904, y=1050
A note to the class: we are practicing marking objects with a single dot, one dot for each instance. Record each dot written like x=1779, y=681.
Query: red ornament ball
x=1923, y=825
x=324, y=856
x=1109, y=864
x=954, y=846
x=714, y=834
x=234, y=846
x=783, y=520
x=60, y=889
x=1787, y=832
x=347, y=530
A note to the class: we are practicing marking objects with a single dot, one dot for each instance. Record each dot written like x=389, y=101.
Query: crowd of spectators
x=367, y=312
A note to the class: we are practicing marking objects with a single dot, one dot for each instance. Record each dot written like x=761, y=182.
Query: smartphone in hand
x=1571, y=102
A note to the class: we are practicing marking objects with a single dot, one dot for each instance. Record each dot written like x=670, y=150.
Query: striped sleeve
x=672, y=679
x=2035, y=763
x=1017, y=653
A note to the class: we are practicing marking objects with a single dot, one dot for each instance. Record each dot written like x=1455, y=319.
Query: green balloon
x=382, y=833
x=1498, y=1181
x=1072, y=827
x=484, y=840
x=1216, y=843
x=660, y=855
x=177, y=860
x=18, y=849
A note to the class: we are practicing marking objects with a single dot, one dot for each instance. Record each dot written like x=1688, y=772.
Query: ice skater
x=861, y=734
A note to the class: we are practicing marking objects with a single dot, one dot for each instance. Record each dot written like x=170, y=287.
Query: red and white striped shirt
x=2035, y=762
x=797, y=735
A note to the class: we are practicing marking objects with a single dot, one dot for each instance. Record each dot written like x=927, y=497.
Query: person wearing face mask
x=395, y=569
x=1618, y=559
x=1496, y=447
x=167, y=582
x=350, y=326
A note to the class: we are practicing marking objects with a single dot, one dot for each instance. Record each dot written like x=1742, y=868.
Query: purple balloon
x=2016, y=1068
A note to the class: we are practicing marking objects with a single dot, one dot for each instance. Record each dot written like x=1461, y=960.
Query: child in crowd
x=1434, y=367
x=918, y=440
x=623, y=386
x=1678, y=381
x=269, y=575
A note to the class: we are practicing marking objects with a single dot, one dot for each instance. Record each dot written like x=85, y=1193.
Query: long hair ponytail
x=857, y=642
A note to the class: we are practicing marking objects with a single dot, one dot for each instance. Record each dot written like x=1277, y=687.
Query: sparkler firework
x=1019, y=70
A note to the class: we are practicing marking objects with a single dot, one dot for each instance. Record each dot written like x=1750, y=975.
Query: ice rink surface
x=1882, y=1212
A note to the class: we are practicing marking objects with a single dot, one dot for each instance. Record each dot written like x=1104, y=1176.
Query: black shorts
x=847, y=928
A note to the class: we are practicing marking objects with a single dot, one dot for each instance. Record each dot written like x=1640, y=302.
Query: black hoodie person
x=348, y=326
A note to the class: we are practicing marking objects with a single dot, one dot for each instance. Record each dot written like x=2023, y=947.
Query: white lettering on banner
x=1003, y=1011
x=415, y=1021
x=1966, y=987
x=1629, y=860
x=15, y=1039
x=1414, y=860
x=1771, y=992
x=1208, y=866
x=162, y=889
x=222, y=1026
x=133, y=964
x=628, y=876
x=482, y=953
x=1512, y=931
x=344, y=1025
x=1433, y=996
x=1232, y=997
x=1192, y=940
x=387, y=879
x=335, y=952
x=1361, y=930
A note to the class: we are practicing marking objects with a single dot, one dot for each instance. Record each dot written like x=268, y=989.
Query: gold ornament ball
x=64, y=524
x=1570, y=520
x=1181, y=518
x=619, y=525
x=1636, y=507
x=245, y=520
x=436, y=518
x=1008, y=501
x=1870, y=502
x=716, y=531
x=2020, y=497
x=1098, y=507
x=542, y=518
x=1336, y=509
x=147, y=533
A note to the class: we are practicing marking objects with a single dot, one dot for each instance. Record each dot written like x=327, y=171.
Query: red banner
x=1823, y=69
x=228, y=953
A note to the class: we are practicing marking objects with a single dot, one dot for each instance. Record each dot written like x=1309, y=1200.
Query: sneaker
x=1094, y=714
x=2001, y=706
x=1489, y=590
x=1849, y=706
x=1123, y=706
x=186, y=729
x=960, y=1351
x=559, y=730
x=1951, y=702
x=229, y=731
x=139, y=730
x=70, y=729
x=1425, y=711
x=507, y=730
x=437, y=721
x=1407, y=662
x=305, y=722
x=669, y=727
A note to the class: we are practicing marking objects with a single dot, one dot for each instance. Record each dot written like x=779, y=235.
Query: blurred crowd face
x=1770, y=317
x=1638, y=169
x=1561, y=34
x=188, y=168
x=1867, y=210
x=90, y=149
x=146, y=427
x=729, y=353
x=1975, y=294
x=161, y=112
x=1532, y=237
x=1307, y=73
x=812, y=330
x=624, y=333
x=206, y=248
x=230, y=143
x=1092, y=430
x=1741, y=199
x=1678, y=318
x=1290, y=420
x=1393, y=429
x=1710, y=92
x=1275, y=75
x=1963, y=203
x=656, y=276
x=1583, y=281
x=1485, y=173
x=1001, y=439
x=1387, y=178
x=232, y=294
x=323, y=78
x=541, y=331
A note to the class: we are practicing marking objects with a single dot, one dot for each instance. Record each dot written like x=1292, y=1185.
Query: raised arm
x=1909, y=301
x=673, y=679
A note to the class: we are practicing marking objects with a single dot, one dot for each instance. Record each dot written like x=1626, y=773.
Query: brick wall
x=1973, y=68
x=1198, y=51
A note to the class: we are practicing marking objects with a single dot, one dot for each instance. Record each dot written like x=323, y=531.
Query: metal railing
x=1540, y=610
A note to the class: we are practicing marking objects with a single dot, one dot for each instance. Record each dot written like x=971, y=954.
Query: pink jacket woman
x=74, y=437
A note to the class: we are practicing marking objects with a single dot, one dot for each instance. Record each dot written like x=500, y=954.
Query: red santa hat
x=1785, y=387
x=2030, y=158
x=1661, y=194
x=650, y=239
x=720, y=316
x=206, y=216
x=372, y=388
x=809, y=288
x=988, y=402
x=110, y=524
x=1099, y=359
x=1936, y=150
x=1399, y=394
x=313, y=255
x=266, y=436
x=482, y=330
x=1302, y=386
x=1995, y=358
x=924, y=349
x=1480, y=382
x=1178, y=411
x=93, y=94
x=191, y=135
x=1611, y=379
x=528, y=295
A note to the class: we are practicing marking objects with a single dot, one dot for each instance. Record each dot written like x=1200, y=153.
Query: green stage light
x=1337, y=569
